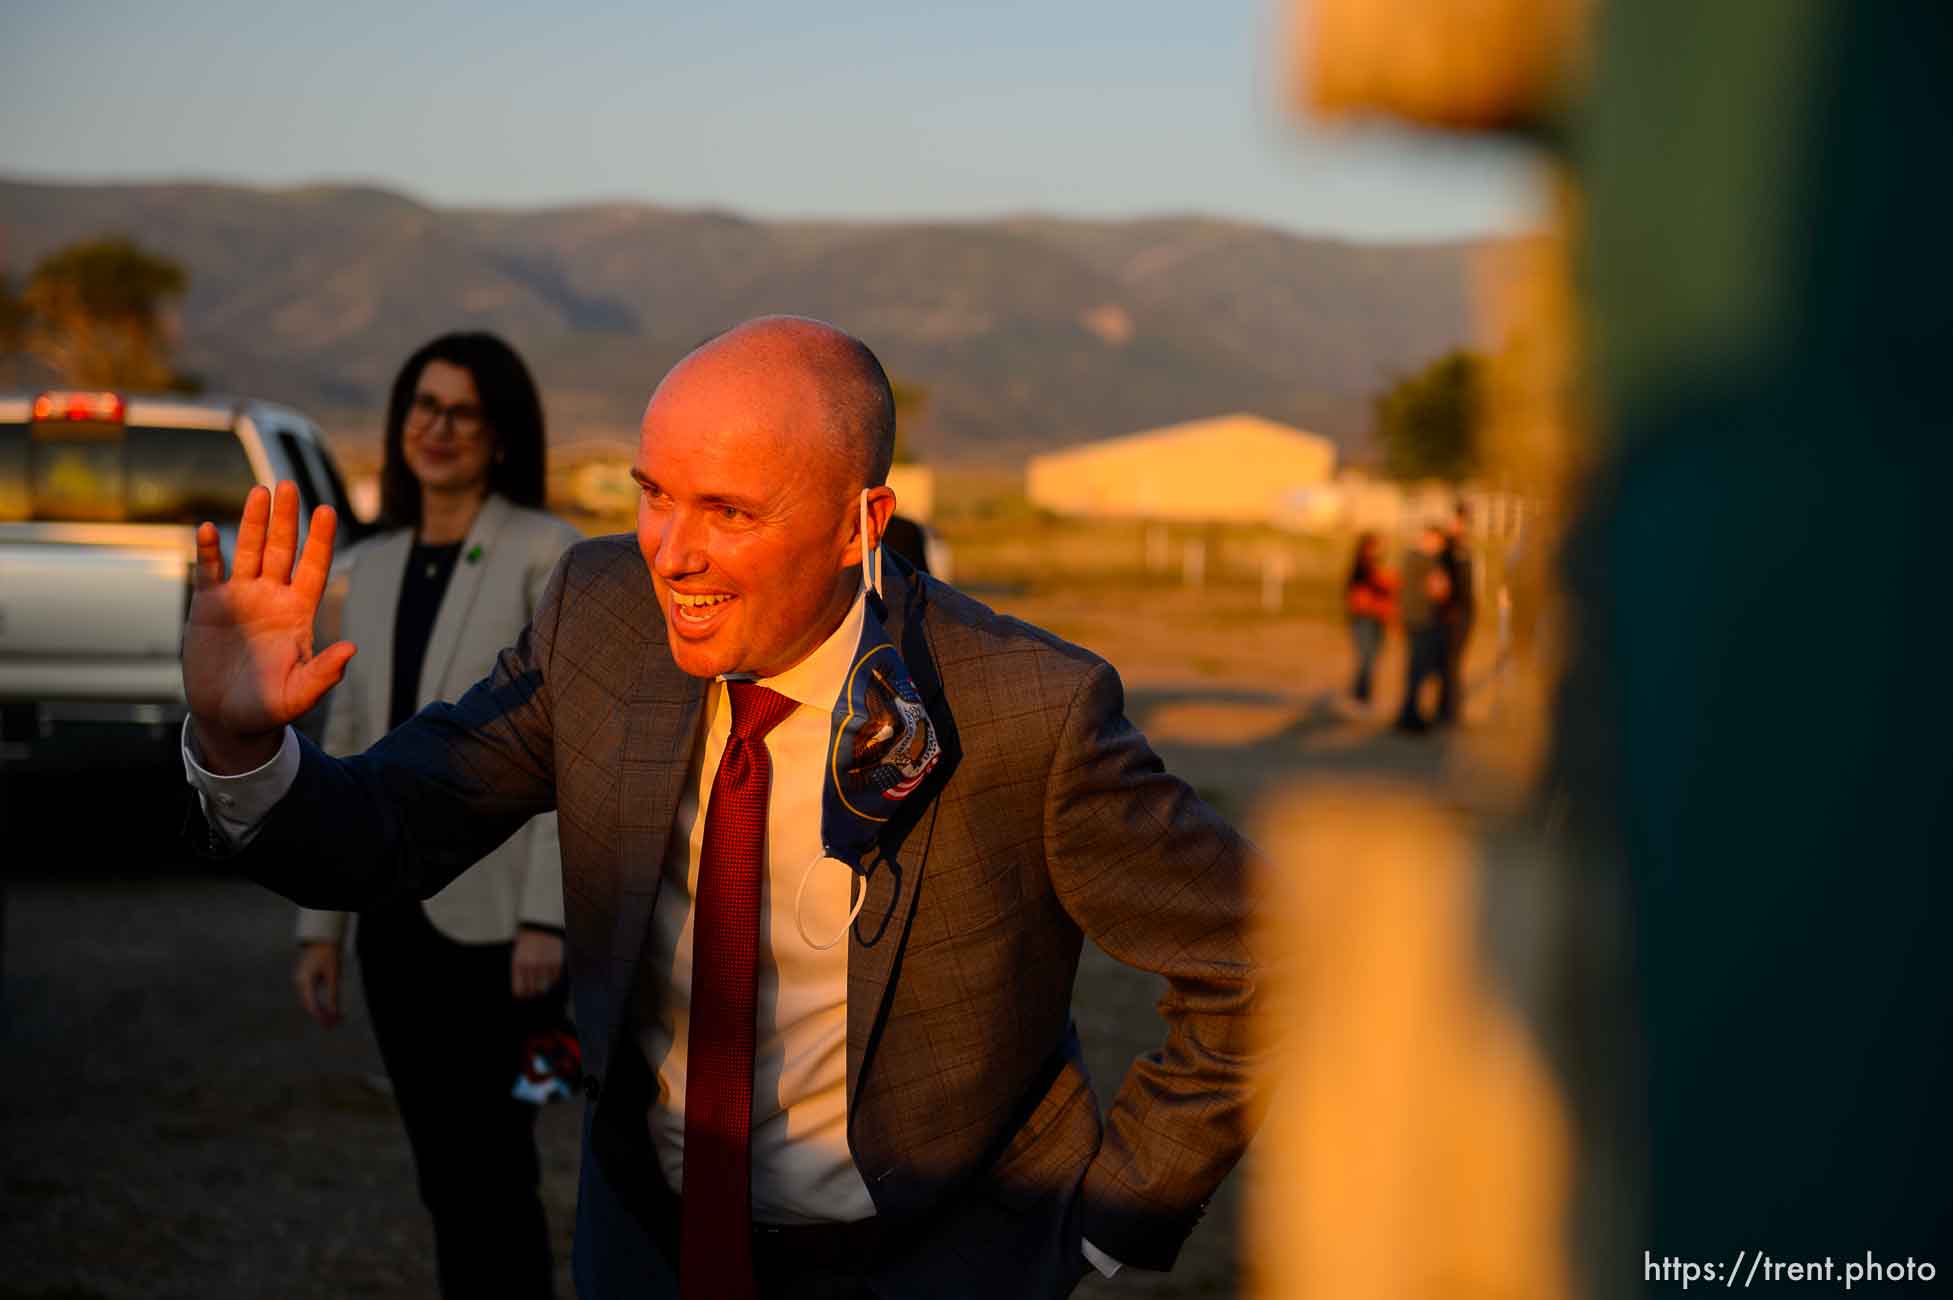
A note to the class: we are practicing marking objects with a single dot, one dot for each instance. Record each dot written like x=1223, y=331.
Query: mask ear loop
x=800, y=896
x=864, y=549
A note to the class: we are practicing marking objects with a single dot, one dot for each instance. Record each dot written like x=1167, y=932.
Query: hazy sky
x=1097, y=107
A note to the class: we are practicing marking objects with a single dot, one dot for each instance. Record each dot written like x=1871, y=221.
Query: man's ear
x=881, y=509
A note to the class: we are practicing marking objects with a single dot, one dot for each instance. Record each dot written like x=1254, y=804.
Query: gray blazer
x=488, y=602
x=970, y=1115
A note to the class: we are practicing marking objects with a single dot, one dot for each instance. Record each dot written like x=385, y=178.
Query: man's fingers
x=322, y=672
x=250, y=534
x=281, y=541
x=210, y=557
x=333, y=660
x=315, y=566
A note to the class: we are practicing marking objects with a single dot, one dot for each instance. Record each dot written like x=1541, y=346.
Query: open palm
x=249, y=666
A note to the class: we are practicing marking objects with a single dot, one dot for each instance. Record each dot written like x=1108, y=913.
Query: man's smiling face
x=746, y=507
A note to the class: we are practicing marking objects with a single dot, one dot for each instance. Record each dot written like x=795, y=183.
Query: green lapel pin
x=474, y=554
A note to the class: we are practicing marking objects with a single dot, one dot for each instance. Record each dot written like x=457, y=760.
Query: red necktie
x=715, y=1249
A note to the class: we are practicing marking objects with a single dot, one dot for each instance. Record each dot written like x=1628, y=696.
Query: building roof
x=1235, y=428
x=1231, y=467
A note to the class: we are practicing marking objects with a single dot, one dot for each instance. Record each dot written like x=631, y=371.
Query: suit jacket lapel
x=896, y=864
x=661, y=725
x=369, y=619
x=458, y=602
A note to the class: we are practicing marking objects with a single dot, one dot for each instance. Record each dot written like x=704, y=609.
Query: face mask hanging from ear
x=862, y=502
x=881, y=746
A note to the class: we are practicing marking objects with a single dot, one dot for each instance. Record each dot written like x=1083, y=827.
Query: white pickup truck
x=100, y=495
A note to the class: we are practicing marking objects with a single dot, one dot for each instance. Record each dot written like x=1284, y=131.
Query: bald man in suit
x=920, y=1121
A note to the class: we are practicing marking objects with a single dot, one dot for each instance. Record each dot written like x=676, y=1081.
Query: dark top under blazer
x=971, y=1118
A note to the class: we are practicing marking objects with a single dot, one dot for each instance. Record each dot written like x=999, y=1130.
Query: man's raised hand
x=249, y=667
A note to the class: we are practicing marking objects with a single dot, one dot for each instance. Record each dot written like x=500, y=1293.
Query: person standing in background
x=453, y=983
x=1460, y=609
x=1427, y=586
x=1370, y=599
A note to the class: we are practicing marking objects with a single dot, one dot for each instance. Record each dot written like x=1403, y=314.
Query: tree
x=99, y=313
x=1428, y=422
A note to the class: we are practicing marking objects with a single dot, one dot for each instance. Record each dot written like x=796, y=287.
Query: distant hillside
x=1027, y=333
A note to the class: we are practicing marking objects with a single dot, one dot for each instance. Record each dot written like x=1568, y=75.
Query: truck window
x=308, y=487
x=75, y=470
x=351, y=526
x=184, y=476
x=339, y=493
x=106, y=473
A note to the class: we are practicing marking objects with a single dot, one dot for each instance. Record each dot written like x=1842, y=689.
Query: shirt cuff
x=235, y=806
x=1104, y=1263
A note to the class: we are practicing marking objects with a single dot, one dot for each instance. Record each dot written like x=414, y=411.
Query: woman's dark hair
x=511, y=413
x=1362, y=568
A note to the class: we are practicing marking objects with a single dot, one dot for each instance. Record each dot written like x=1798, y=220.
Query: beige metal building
x=1232, y=468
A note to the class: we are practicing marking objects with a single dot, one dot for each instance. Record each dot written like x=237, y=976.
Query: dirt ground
x=172, y=1126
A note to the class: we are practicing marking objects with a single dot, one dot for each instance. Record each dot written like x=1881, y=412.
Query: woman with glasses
x=454, y=983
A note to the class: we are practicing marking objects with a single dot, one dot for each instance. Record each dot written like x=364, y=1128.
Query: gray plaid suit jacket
x=971, y=1117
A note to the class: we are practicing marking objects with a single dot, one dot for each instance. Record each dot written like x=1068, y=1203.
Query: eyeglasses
x=426, y=413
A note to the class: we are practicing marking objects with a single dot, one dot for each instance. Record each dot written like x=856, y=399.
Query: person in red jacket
x=1370, y=599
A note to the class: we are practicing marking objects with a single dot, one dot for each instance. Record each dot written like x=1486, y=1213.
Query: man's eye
x=731, y=514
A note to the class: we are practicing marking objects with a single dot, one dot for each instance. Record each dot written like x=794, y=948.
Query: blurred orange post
x=1471, y=64
x=1415, y=1146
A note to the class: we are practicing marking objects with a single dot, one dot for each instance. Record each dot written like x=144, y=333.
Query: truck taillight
x=105, y=407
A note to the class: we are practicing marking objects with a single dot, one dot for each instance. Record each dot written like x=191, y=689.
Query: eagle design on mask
x=895, y=747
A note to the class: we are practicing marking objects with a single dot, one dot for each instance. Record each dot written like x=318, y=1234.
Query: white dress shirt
x=803, y=1171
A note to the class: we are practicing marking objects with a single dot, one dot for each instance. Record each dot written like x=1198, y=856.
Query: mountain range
x=1024, y=333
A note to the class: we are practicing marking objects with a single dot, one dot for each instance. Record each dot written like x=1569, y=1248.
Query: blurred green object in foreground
x=1756, y=725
